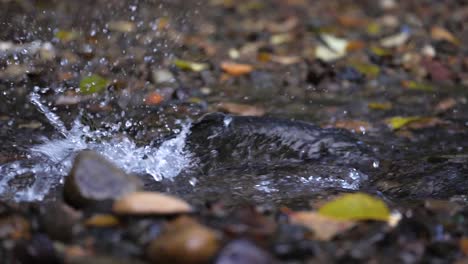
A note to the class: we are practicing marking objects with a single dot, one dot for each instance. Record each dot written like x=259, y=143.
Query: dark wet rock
x=184, y=241
x=39, y=249
x=351, y=74
x=59, y=221
x=14, y=226
x=93, y=179
x=101, y=260
x=244, y=251
x=226, y=140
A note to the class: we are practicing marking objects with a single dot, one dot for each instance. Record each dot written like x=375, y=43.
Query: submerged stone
x=243, y=251
x=93, y=179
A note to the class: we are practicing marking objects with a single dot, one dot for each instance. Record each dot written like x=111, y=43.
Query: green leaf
x=369, y=70
x=66, y=36
x=418, y=86
x=93, y=84
x=190, y=65
x=356, y=206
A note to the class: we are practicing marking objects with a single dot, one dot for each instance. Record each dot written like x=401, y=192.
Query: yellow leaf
x=398, y=122
x=379, y=106
x=190, y=65
x=356, y=206
x=102, y=220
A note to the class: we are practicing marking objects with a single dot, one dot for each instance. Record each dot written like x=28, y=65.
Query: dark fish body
x=234, y=140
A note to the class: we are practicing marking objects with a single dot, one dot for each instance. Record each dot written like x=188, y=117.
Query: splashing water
x=50, y=161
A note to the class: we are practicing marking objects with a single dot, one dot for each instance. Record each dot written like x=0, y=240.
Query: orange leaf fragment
x=153, y=98
x=241, y=109
x=236, y=69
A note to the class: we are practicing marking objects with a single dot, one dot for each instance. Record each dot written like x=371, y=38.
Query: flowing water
x=49, y=162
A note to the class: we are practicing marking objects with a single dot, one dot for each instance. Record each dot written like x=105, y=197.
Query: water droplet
x=376, y=164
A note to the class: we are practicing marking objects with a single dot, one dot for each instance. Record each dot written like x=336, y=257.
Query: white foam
x=50, y=161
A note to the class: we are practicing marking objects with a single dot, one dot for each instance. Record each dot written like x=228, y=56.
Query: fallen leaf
x=31, y=125
x=285, y=60
x=413, y=122
x=440, y=33
x=102, y=220
x=464, y=245
x=445, y=105
x=122, y=26
x=351, y=21
x=395, y=40
x=324, y=228
x=145, y=203
x=356, y=206
x=285, y=26
x=190, y=65
x=241, y=109
x=367, y=69
x=380, y=106
x=66, y=36
x=93, y=84
x=264, y=56
x=153, y=98
x=353, y=125
x=355, y=45
x=419, y=86
x=236, y=69
x=334, y=49
x=282, y=38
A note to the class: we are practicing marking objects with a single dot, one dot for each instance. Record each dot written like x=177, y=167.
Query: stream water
x=51, y=160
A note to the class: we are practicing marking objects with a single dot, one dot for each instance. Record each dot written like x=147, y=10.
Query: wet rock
x=39, y=250
x=58, y=220
x=184, y=241
x=93, y=179
x=144, y=203
x=101, y=260
x=244, y=251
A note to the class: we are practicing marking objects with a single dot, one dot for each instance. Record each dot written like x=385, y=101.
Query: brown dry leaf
x=241, y=109
x=285, y=26
x=440, y=33
x=353, y=125
x=324, y=228
x=445, y=105
x=145, y=203
x=351, y=21
x=122, y=26
x=236, y=69
x=355, y=45
x=464, y=245
x=102, y=220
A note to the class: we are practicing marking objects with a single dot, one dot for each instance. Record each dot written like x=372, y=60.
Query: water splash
x=50, y=161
